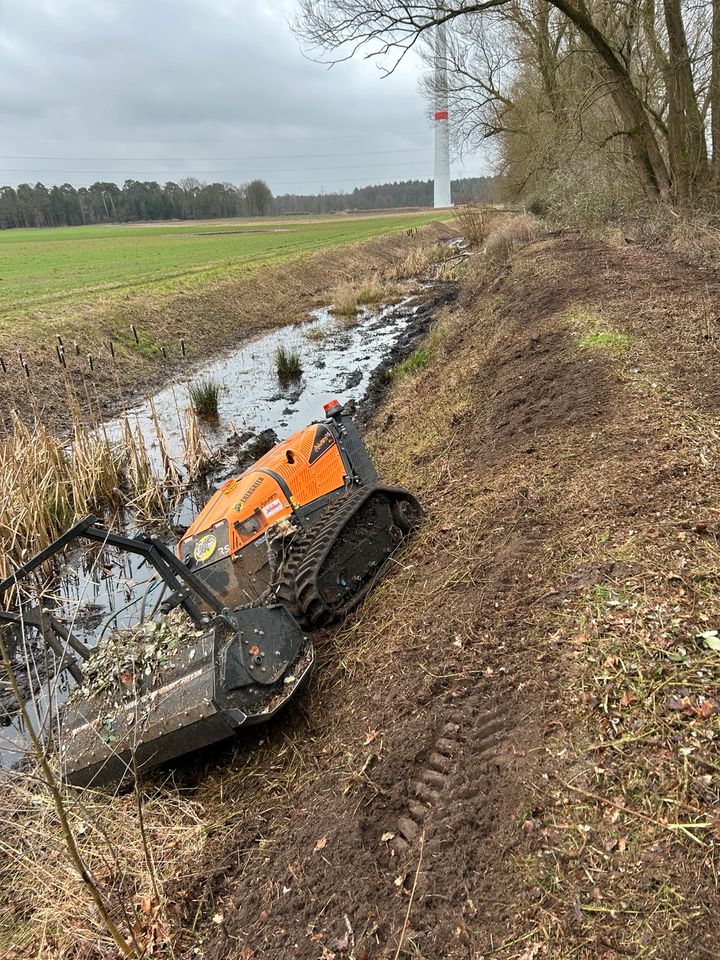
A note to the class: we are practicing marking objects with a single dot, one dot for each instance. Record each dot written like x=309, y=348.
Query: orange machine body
x=300, y=470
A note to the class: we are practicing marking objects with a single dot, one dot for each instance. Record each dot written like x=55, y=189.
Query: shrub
x=471, y=222
x=538, y=207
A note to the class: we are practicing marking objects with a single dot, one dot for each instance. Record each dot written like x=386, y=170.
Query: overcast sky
x=217, y=89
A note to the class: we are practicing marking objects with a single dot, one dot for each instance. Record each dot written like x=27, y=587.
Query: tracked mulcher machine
x=292, y=544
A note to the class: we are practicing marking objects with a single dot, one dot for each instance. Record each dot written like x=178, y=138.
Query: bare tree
x=647, y=67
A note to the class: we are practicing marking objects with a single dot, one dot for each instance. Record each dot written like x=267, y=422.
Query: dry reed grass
x=347, y=298
x=198, y=457
x=47, y=913
x=422, y=262
x=47, y=484
x=510, y=233
x=51, y=482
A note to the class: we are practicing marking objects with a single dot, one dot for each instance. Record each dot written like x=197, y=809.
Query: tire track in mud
x=455, y=774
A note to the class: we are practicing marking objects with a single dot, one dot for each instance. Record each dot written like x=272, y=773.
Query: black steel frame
x=182, y=582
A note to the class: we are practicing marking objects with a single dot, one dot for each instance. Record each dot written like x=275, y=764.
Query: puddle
x=99, y=590
x=226, y=233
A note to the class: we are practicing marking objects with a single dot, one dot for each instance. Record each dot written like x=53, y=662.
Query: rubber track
x=298, y=586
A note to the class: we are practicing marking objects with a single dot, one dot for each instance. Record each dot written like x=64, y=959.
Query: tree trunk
x=715, y=93
x=547, y=60
x=687, y=149
x=649, y=161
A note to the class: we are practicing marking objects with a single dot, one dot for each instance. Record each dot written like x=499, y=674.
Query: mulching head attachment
x=159, y=694
x=168, y=687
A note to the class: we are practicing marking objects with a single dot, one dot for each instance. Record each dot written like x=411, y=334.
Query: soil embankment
x=511, y=748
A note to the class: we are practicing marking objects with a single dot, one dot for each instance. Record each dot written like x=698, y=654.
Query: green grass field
x=40, y=267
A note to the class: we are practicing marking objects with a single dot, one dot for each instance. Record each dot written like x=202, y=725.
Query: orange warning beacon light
x=332, y=408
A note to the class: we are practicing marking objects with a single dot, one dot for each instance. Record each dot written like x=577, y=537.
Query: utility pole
x=442, y=121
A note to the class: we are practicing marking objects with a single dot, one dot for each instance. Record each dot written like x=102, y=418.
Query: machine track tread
x=298, y=588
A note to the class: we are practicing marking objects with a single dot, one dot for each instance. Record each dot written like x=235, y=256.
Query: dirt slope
x=512, y=749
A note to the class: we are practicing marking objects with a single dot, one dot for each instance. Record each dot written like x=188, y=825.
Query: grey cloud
x=173, y=80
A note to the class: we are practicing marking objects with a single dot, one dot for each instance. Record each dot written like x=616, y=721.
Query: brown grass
x=349, y=297
x=422, y=261
x=44, y=910
x=509, y=233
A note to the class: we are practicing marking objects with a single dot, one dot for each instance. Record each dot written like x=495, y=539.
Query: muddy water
x=99, y=591
x=337, y=360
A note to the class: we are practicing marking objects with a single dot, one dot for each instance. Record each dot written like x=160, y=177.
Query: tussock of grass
x=204, y=396
x=315, y=334
x=509, y=234
x=288, y=364
x=349, y=297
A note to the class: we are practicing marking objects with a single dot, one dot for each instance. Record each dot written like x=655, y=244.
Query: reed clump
x=347, y=298
x=205, y=396
x=47, y=484
x=288, y=363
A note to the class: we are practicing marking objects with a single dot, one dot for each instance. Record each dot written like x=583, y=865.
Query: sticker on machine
x=270, y=509
x=205, y=548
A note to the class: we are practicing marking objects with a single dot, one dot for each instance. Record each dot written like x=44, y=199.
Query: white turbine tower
x=442, y=121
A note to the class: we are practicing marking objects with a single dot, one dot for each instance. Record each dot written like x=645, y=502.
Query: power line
x=274, y=156
x=347, y=136
x=191, y=173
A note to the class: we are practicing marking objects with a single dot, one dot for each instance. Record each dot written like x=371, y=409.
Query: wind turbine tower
x=442, y=121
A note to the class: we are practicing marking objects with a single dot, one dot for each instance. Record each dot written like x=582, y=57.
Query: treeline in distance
x=104, y=202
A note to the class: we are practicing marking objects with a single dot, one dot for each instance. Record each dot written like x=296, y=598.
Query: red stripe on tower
x=441, y=115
